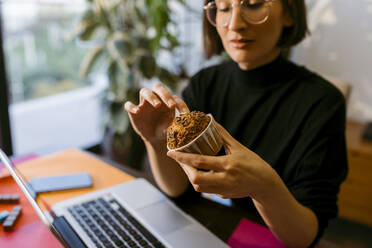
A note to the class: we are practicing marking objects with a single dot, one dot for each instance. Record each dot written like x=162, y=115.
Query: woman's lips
x=240, y=43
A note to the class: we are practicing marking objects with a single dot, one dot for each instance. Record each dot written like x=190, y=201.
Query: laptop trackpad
x=163, y=217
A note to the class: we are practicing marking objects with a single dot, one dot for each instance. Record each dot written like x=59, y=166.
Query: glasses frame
x=209, y=5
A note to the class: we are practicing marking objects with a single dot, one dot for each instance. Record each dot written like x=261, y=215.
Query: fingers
x=130, y=107
x=206, y=182
x=150, y=97
x=227, y=196
x=228, y=140
x=164, y=95
x=201, y=178
x=198, y=161
x=181, y=105
x=170, y=100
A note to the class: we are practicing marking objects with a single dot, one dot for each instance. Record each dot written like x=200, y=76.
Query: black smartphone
x=61, y=182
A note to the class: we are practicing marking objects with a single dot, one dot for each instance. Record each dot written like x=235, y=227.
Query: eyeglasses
x=219, y=12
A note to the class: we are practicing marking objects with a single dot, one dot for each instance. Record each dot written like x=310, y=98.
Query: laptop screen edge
x=7, y=163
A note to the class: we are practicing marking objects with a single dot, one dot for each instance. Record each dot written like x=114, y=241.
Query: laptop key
x=121, y=220
x=131, y=243
x=126, y=237
x=137, y=237
x=106, y=242
x=159, y=245
x=142, y=230
x=95, y=241
x=103, y=202
x=116, y=228
x=118, y=242
x=85, y=204
x=105, y=228
x=91, y=211
x=101, y=236
x=114, y=238
x=143, y=242
x=127, y=227
x=107, y=217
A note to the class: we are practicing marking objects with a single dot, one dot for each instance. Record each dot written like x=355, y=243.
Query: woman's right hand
x=154, y=114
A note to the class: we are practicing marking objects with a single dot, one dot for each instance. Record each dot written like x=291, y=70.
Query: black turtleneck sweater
x=291, y=117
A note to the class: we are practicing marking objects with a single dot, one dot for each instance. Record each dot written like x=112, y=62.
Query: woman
x=282, y=125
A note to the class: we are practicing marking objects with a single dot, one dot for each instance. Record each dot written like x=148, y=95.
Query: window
x=50, y=106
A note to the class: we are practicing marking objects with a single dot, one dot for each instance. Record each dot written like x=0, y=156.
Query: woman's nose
x=236, y=20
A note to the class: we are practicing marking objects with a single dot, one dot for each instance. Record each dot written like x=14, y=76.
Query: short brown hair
x=290, y=35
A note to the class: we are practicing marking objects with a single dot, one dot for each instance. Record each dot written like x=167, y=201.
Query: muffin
x=185, y=128
x=194, y=132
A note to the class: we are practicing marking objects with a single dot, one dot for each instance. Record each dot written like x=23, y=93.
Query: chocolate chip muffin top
x=185, y=128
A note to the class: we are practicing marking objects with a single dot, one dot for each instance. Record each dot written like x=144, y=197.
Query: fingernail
x=170, y=153
x=156, y=102
x=171, y=103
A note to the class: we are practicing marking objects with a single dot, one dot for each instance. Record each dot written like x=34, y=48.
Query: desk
x=219, y=219
x=355, y=201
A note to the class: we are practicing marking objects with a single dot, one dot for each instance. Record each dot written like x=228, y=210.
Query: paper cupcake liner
x=209, y=142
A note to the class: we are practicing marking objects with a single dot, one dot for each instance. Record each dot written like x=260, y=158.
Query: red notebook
x=29, y=228
x=252, y=235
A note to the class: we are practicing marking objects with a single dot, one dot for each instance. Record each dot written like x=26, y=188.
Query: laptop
x=132, y=214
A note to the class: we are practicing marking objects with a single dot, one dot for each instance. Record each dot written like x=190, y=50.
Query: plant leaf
x=120, y=120
x=168, y=78
x=124, y=47
x=143, y=43
x=119, y=46
x=147, y=66
x=88, y=32
x=159, y=14
x=103, y=14
x=173, y=40
x=89, y=59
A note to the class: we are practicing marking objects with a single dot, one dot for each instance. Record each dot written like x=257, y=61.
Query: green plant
x=128, y=36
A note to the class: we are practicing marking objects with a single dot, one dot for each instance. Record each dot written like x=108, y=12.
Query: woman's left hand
x=239, y=173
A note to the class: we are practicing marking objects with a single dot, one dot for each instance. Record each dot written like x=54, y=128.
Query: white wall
x=57, y=122
x=340, y=46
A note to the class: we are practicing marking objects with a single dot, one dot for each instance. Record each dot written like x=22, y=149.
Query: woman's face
x=253, y=45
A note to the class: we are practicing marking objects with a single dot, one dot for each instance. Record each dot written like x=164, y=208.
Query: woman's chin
x=242, y=58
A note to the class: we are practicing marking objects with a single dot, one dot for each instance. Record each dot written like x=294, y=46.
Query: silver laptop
x=132, y=214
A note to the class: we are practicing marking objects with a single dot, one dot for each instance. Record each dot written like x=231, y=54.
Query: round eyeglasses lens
x=253, y=11
x=211, y=12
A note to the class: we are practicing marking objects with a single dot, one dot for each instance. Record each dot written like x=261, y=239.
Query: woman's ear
x=288, y=21
x=287, y=18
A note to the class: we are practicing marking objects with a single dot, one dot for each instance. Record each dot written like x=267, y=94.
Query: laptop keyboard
x=109, y=225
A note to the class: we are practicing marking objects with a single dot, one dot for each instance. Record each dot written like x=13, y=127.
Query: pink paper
x=252, y=235
x=21, y=159
x=15, y=161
